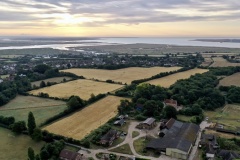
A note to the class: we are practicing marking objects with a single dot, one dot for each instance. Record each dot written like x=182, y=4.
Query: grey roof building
x=177, y=139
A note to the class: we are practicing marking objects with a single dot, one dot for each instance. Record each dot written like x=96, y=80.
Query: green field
x=42, y=109
x=228, y=116
x=184, y=118
x=4, y=76
x=56, y=79
x=124, y=149
x=14, y=147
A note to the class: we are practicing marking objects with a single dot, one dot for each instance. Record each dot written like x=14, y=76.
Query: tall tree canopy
x=31, y=123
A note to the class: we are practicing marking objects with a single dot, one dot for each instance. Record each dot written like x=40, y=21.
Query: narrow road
x=129, y=140
x=203, y=125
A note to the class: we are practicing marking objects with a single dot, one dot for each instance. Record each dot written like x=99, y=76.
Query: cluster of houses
x=9, y=68
x=213, y=150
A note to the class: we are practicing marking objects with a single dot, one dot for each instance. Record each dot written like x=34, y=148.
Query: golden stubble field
x=221, y=62
x=81, y=123
x=207, y=62
x=171, y=79
x=126, y=75
x=231, y=80
x=82, y=88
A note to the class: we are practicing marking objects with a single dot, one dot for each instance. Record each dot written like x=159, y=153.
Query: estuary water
x=60, y=44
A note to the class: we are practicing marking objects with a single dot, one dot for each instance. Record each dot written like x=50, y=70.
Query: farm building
x=177, y=139
x=119, y=122
x=173, y=103
x=109, y=137
x=70, y=155
x=149, y=123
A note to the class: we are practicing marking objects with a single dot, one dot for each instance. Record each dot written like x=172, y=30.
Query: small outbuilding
x=149, y=123
x=119, y=122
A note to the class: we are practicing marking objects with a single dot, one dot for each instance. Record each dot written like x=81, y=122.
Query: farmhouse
x=109, y=137
x=173, y=103
x=177, y=139
x=149, y=123
x=70, y=155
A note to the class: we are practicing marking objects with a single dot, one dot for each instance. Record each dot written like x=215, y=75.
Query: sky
x=121, y=18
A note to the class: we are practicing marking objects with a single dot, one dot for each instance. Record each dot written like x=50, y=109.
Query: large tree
x=170, y=112
x=37, y=134
x=31, y=123
x=31, y=154
x=75, y=102
x=41, y=68
x=18, y=127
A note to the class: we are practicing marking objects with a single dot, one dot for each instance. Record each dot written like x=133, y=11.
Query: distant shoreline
x=219, y=40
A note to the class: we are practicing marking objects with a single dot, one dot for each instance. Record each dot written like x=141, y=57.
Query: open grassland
x=154, y=49
x=15, y=147
x=4, y=76
x=228, y=116
x=56, y=79
x=184, y=118
x=42, y=109
x=171, y=79
x=82, y=88
x=126, y=75
x=81, y=123
x=221, y=62
x=231, y=80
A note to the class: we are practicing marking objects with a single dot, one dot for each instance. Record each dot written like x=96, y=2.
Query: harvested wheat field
x=207, y=62
x=231, y=80
x=82, y=88
x=126, y=75
x=81, y=123
x=221, y=62
x=171, y=79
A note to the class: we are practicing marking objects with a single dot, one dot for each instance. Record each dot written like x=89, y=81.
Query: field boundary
x=57, y=105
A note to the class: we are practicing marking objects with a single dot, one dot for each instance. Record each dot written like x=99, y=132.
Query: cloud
x=94, y=13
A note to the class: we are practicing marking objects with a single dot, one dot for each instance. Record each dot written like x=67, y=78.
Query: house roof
x=170, y=123
x=228, y=155
x=170, y=102
x=109, y=135
x=149, y=121
x=121, y=121
x=69, y=155
x=121, y=117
